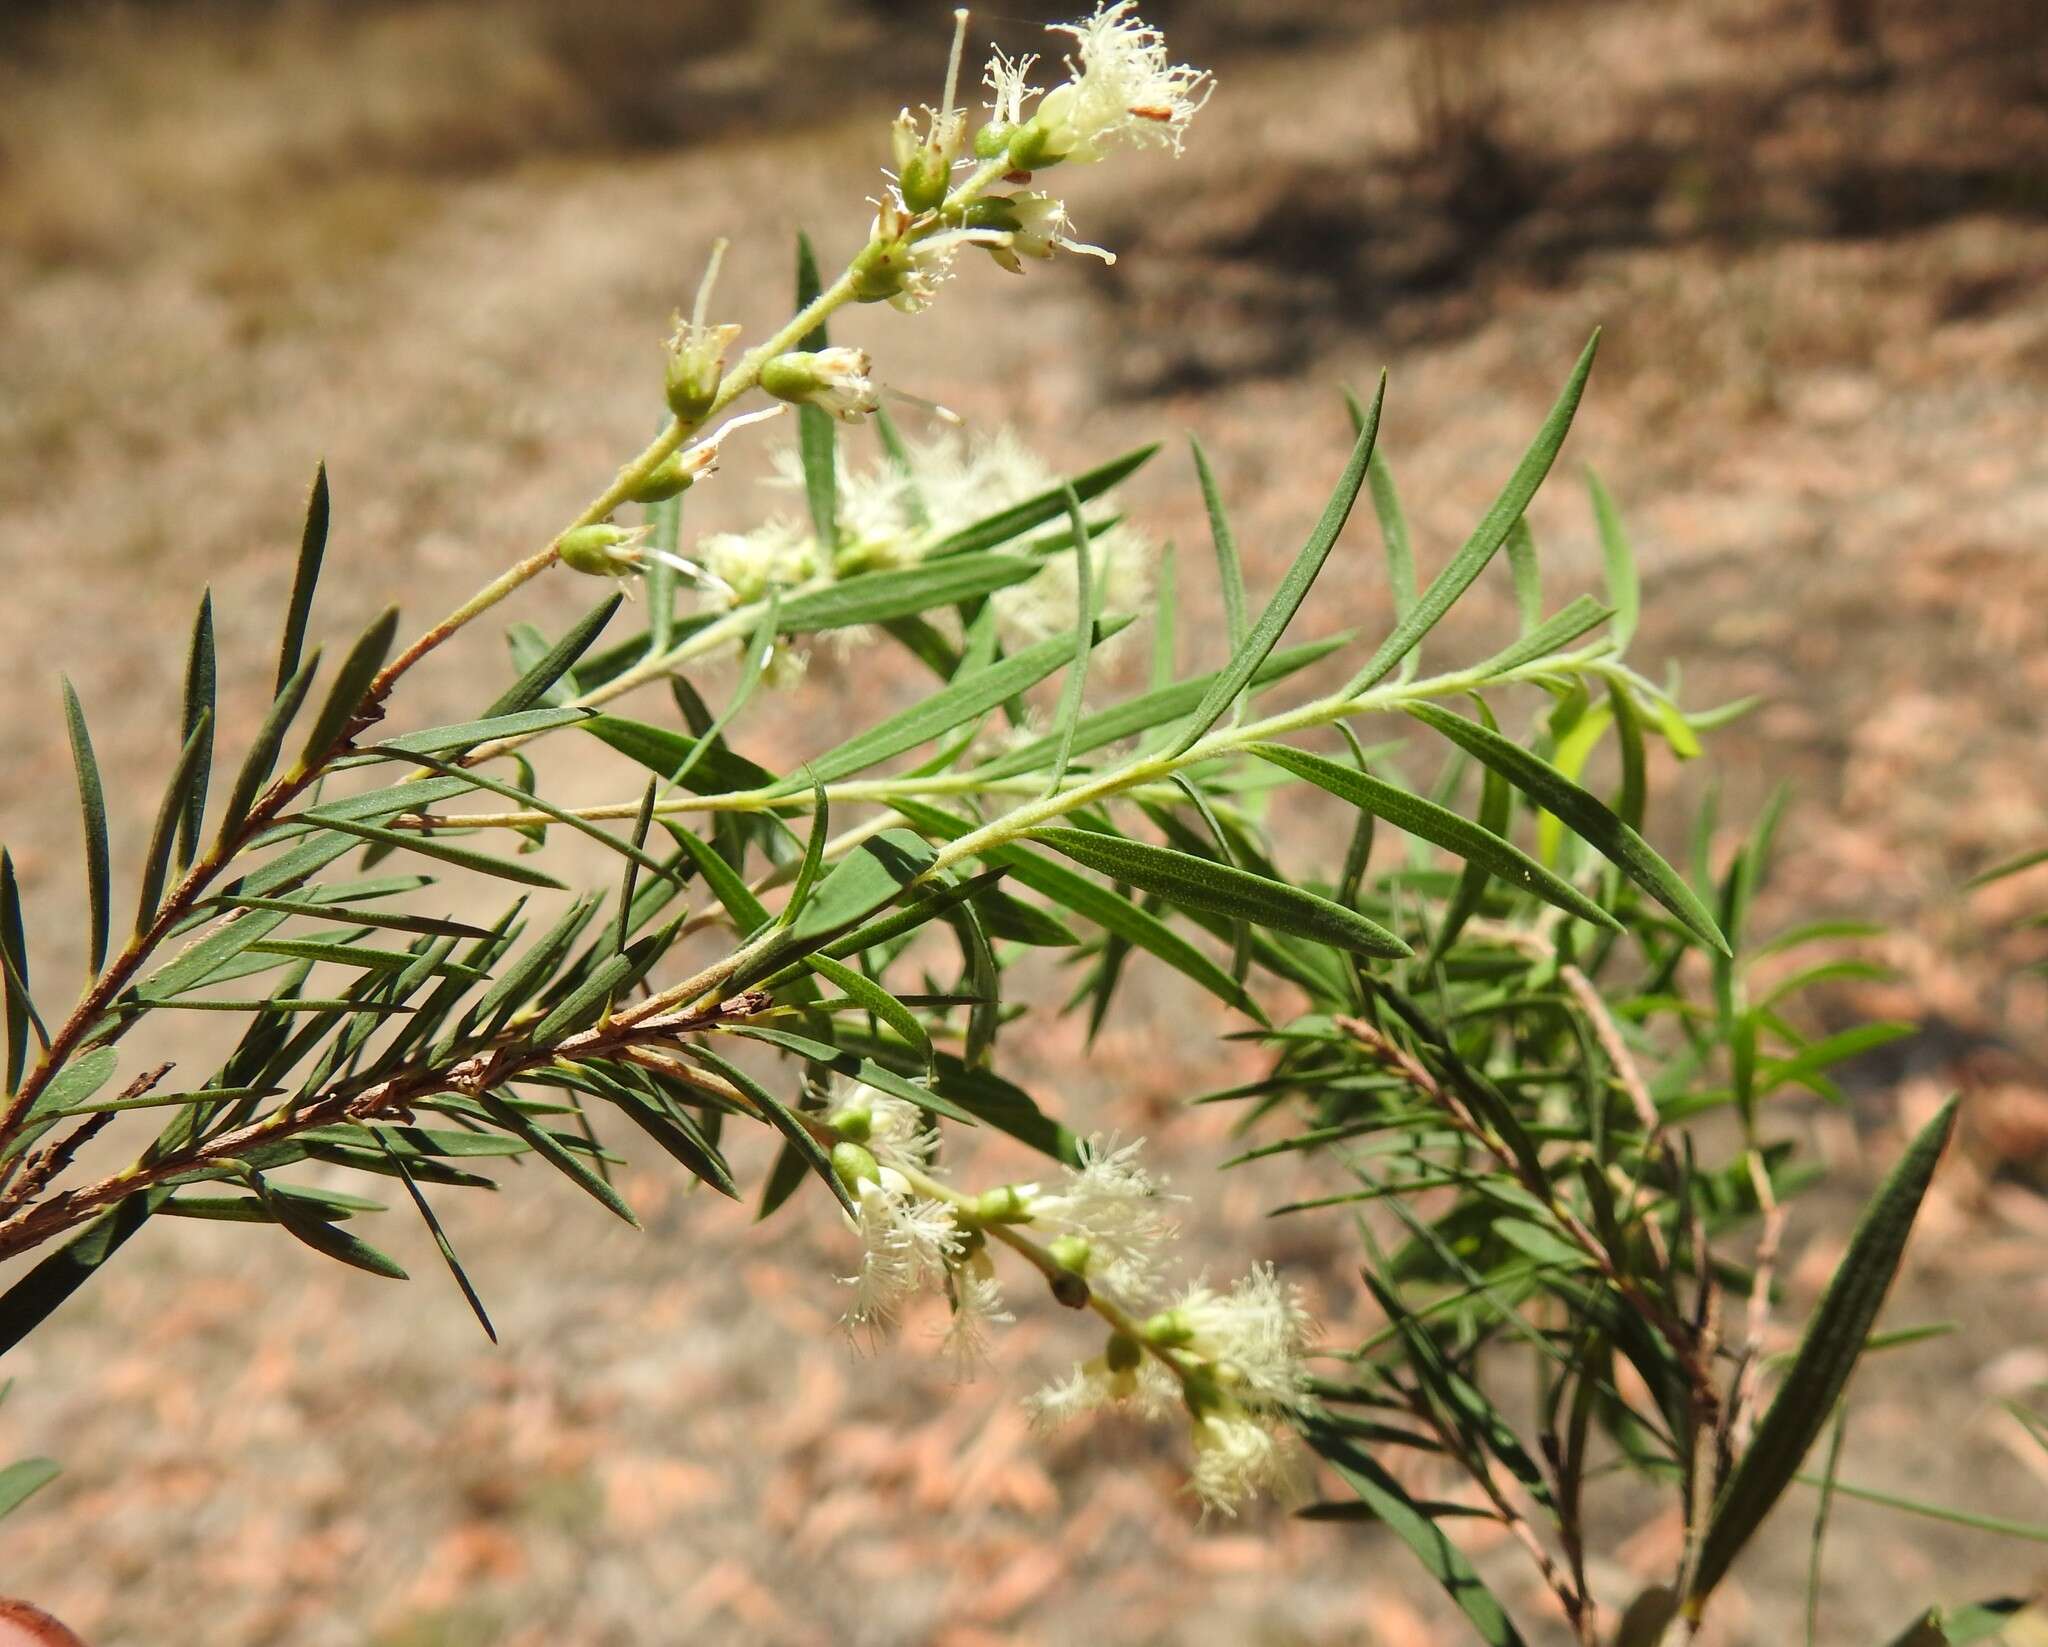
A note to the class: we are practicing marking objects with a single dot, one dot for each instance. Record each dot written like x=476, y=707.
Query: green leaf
x=784, y=1119
x=305, y=1222
x=92, y=802
x=1623, y=590
x=262, y=756
x=460, y=857
x=971, y=695
x=21, y=1008
x=579, y=1009
x=903, y=593
x=813, y=858
x=817, y=440
x=23, y=1479
x=1229, y=568
x=312, y=549
x=528, y=690
x=1527, y=575
x=1109, y=910
x=447, y=1247
x=1155, y=708
x=551, y=1149
x=1582, y=813
x=1020, y=518
x=156, y=861
x=858, y=986
x=748, y=913
x=2011, y=866
x=1541, y=1244
x=1201, y=883
x=845, y=1061
x=1828, y=1353
x=1068, y=717
x=1407, y=1520
x=1294, y=587
x=439, y=740
x=1487, y=536
x=674, y=756
x=1960, y=1626
x=199, y=696
x=345, y=696
x=1439, y=826
x=75, y=1083
x=1543, y=639
x=29, y=1302
x=871, y=876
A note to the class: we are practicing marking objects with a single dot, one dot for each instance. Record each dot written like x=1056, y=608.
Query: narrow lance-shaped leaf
x=1828, y=1353
x=817, y=439
x=1584, y=814
x=1623, y=591
x=1438, y=825
x=556, y=662
x=262, y=756
x=813, y=858
x=1293, y=590
x=21, y=1007
x=1414, y=1527
x=1527, y=575
x=1487, y=537
x=23, y=1478
x=1228, y=567
x=199, y=699
x=552, y=1150
x=156, y=861
x=1069, y=715
x=92, y=803
x=784, y=1119
x=351, y=681
x=1201, y=883
x=412, y=840
x=306, y=577
x=972, y=695
x=1020, y=518
x=642, y=821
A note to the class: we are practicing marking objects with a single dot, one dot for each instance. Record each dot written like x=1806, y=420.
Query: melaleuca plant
x=774, y=948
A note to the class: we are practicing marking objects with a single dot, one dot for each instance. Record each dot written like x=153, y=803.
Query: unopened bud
x=599, y=551
x=1169, y=1329
x=669, y=478
x=1071, y=1252
x=853, y=1122
x=834, y=380
x=853, y=1165
x=1005, y=1204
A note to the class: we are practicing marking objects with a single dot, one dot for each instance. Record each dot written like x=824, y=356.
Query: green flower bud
x=1030, y=147
x=669, y=478
x=1169, y=1329
x=1123, y=1353
x=853, y=1163
x=1005, y=1204
x=853, y=1122
x=1071, y=1252
x=992, y=140
x=597, y=551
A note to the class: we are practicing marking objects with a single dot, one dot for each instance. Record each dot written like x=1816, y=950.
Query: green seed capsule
x=1123, y=1353
x=665, y=480
x=592, y=550
x=1071, y=1252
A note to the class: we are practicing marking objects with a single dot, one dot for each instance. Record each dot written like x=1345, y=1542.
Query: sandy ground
x=1820, y=400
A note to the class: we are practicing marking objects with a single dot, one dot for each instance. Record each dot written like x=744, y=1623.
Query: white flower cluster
x=1232, y=1362
x=1120, y=89
x=891, y=515
x=1236, y=1360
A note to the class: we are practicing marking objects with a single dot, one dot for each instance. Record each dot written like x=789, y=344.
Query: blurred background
x=436, y=244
